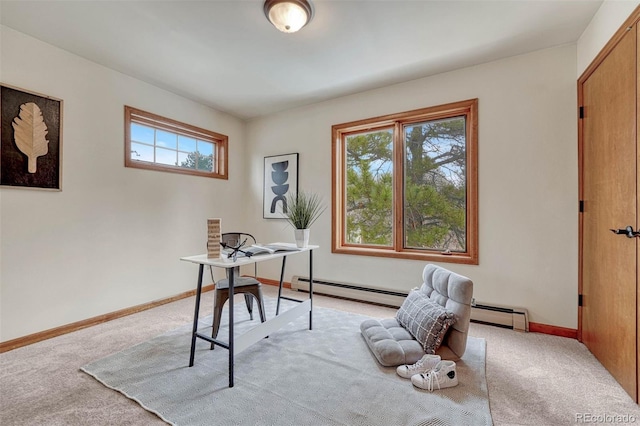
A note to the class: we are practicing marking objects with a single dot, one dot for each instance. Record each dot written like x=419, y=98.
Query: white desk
x=240, y=343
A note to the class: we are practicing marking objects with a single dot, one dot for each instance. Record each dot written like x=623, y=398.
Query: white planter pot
x=302, y=237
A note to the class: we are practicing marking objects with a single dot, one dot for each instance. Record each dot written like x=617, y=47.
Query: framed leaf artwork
x=280, y=179
x=30, y=140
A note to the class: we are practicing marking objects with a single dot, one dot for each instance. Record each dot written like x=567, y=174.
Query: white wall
x=527, y=180
x=610, y=16
x=113, y=237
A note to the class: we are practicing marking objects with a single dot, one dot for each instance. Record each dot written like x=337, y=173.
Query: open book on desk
x=271, y=248
x=256, y=249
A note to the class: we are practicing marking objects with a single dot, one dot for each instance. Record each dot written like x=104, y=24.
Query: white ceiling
x=225, y=54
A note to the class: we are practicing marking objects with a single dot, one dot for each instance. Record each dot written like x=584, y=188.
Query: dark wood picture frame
x=280, y=180
x=30, y=140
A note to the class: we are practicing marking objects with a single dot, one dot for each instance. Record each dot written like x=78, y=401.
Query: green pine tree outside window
x=435, y=189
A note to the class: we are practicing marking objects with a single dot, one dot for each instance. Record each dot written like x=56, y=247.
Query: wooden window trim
x=468, y=108
x=220, y=143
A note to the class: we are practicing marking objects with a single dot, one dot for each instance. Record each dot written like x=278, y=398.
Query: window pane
x=186, y=143
x=205, y=148
x=186, y=160
x=205, y=162
x=140, y=152
x=140, y=133
x=205, y=157
x=435, y=185
x=369, y=188
x=166, y=139
x=195, y=160
x=166, y=156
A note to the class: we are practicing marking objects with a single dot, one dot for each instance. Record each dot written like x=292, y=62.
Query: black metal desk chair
x=250, y=286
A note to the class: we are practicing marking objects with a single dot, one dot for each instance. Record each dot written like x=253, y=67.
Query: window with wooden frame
x=406, y=185
x=158, y=143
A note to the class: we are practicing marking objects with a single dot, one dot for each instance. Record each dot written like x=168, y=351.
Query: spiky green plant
x=303, y=209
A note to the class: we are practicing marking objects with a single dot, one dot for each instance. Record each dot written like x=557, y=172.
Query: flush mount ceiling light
x=288, y=15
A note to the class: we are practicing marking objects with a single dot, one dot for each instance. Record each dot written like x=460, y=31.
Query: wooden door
x=637, y=399
x=609, y=179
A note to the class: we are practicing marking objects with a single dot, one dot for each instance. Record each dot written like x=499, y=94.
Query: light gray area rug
x=325, y=376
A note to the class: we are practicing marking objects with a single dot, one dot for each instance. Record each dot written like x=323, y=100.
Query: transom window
x=159, y=143
x=405, y=185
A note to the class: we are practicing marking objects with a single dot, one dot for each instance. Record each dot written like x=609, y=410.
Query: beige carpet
x=326, y=376
x=533, y=379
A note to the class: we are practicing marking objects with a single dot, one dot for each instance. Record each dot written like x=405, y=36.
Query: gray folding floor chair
x=249, y=286
x=392, y=344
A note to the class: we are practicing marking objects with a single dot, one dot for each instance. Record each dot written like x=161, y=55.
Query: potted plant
x=302, y=211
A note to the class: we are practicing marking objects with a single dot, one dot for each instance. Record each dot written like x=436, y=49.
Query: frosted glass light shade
x=288, y=16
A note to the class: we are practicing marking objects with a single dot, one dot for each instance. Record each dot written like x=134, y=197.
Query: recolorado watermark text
x=605, y=418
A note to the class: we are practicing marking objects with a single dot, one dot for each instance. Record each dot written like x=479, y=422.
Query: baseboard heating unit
x=500, y=316
x=377, y=295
